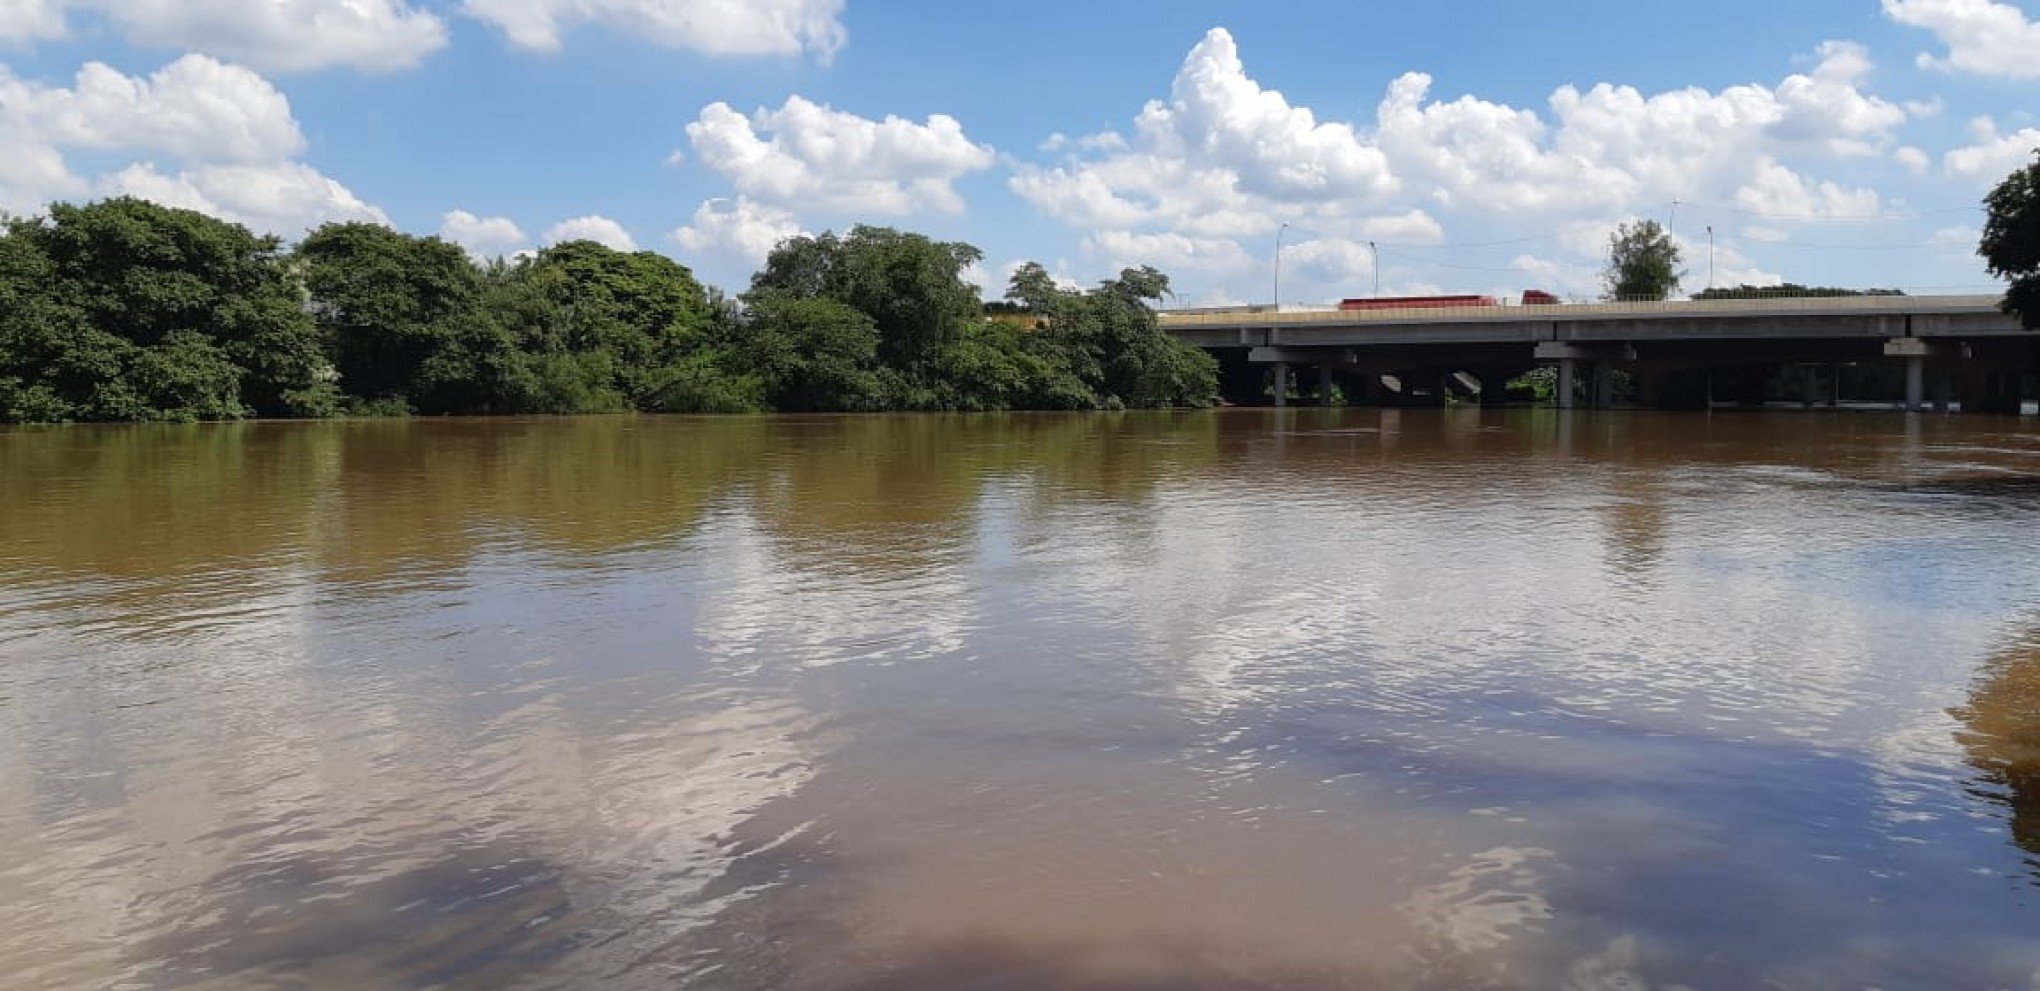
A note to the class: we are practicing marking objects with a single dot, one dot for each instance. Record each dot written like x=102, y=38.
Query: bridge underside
x=1989, y=371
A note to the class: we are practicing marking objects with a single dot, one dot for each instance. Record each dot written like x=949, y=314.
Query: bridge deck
x=1802, y=306
x=1784, y=318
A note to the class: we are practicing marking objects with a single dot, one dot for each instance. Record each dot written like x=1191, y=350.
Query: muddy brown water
x=1238, y=699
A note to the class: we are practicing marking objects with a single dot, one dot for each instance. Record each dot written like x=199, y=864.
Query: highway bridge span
x=1678, y=353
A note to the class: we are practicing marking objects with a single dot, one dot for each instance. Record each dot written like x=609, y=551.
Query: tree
x=1110, y=343
x=910, y=286
x=1787, y=290
x=126, y=310
x=2011, y=241
x=388, y=304
x=814, y=354
x=1643, y=263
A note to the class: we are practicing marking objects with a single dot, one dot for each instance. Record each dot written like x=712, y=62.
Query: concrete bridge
x=1680, y=354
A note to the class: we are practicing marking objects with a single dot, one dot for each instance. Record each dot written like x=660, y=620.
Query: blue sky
x=1822, y=140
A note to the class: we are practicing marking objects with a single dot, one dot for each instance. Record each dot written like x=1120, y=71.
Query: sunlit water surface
x=1171, y=701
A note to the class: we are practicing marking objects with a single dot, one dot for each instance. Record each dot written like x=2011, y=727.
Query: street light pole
x=1376, y=252
x=1279, y=231
x=1710, y=256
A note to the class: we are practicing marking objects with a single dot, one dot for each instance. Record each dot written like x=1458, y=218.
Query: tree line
x=123, y=309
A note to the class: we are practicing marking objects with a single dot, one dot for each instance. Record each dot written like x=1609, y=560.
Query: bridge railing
x=1740, y=301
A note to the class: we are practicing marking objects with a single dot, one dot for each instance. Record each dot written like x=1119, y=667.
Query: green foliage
x=1791, y=290
x=910, y=287
x=388, y=303
x=1643, y=263
x=614, y=324
x=125, y=310
x=1110, y=343
x=814, y=354
x=2011, y=241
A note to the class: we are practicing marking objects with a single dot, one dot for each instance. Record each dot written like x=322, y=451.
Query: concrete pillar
x=1281, y=384
x=1834, y=395
x=1567, y=372
x=1603, y=384
x=1809, y=386
x=1944, y=390
x=1324, y=385
x=1915, y=383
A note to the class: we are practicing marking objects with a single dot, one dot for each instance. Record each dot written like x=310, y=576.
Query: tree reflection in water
x=2001, y=732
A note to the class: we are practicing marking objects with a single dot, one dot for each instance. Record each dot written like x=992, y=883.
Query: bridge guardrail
x=1608, y=310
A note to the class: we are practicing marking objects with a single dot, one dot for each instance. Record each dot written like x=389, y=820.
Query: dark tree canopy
x=2011, y=241
x=1787, y=290
x=124, y=310
x=1643, y=262
x=1111, y=342
x=911, y=287
x=387, y=302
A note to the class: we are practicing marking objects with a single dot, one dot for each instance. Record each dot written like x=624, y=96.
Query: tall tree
x=2011, y=241
x=388, y=303
x=124, y=309
x=630, y=316
x=1643, y=262
x=911, y=286
x=1110, y=340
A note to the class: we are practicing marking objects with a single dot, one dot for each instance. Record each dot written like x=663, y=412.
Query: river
x=1236, y=699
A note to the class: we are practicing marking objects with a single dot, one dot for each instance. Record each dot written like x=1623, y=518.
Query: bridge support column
x=1915, y=352
x=1324, y=385
x=1603, y=385
x=1281, y=389
x=1600, y=362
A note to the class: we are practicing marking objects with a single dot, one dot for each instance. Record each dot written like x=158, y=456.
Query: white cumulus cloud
x=737, y=227
x=1983, y=36
x=1170, y=252
x=483, y=237
x=229, y=134
x=271, y=35
x=1994, y=155
x=1780, y=192
x=807, y=156
x=1225, y=156
x=286, y=198
x=194, y=107
x=714, y=27
x=598, y=229
x=31, y=20
x=1224, y=160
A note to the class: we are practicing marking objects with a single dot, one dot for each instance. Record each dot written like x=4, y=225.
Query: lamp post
x=1279, y=231
x=1375, y=252
x=1710, y=256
